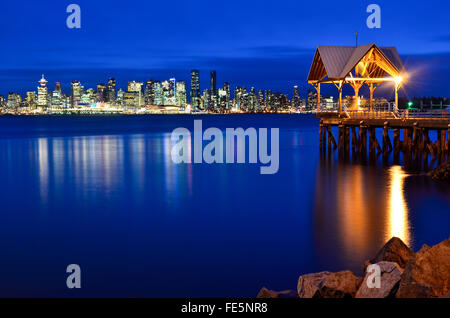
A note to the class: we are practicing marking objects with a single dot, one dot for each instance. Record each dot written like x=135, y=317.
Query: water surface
x=102, y=192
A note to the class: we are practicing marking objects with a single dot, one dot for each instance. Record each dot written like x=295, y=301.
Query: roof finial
x=356, y=39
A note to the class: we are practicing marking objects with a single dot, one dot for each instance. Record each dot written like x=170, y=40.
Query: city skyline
x=246, y=44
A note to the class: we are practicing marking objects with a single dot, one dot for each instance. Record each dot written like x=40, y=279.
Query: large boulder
x=328, y=285
x=390, y=274
x=427, y=274
x=393, y=251
x=267, y=293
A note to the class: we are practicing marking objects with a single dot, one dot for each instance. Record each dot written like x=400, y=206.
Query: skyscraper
x=195, y=89
x=111, y=94
x=213, y=87
x=42, y=92
x=56, y=101
x=101, y=93
x=149, y=93
x=296, y=98
x=136, y=88
x=76, y=90
x=181, y=93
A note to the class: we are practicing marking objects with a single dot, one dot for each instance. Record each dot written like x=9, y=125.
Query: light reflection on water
x=398, y=221
x=361, y=207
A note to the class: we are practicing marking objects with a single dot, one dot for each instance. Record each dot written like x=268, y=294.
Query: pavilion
x=356, y=65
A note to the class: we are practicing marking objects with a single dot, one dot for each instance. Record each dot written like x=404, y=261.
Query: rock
x=389, y=282
x=393, y=251
x=267, y=293
x=328, y=285
x=427, y=274
x=441, y=173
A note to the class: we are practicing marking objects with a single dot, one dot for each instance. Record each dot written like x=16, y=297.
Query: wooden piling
x=346, y=140
x=387, y=146
x=355, y=142
x=396, y=145
x=321, y=134
x=362, y=138
x=331, y=139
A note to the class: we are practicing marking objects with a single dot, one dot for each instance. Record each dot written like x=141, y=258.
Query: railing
x=430, y=114
x=383, y=110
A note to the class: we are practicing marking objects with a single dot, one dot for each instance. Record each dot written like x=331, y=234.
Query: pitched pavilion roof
x=336, y=62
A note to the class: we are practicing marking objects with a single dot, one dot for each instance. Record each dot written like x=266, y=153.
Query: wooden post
x=318, y=97
x=396, y=145
x=321, y=135
x=331, y=139
x=362, y=138
x=355, y=143
x=397, y=87
x=371, y=89
x=387, y=146
x=340, y=96
x=341, y=138
x=438, y=142
x=443, y=142
x=346, y=140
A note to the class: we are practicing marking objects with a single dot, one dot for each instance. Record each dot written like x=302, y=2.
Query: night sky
x=265, y=44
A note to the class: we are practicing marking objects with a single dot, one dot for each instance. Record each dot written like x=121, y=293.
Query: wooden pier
x=411, y=136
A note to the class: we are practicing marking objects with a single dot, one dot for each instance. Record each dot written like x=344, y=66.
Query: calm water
x=102, y=192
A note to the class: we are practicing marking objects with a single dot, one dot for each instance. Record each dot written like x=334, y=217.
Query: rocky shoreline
x=403, y=274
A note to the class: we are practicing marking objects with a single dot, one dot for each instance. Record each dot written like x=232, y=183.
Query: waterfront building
x=111, y=92
x=168, y=88
x=14, y=100
x=130, y=99
x=222, y=99
x=206, y=99
x=296, y=98
x=101, y=93
x=149, y=93
x=226, y=87
x=158, y=93
x=76, y=90
x=119, y=100
x=195, y=89
x=31, y=99
x=181, y=93
x=42, y=99
x=135, y=87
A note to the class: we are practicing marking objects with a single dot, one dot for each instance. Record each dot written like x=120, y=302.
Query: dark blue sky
x=265, y=44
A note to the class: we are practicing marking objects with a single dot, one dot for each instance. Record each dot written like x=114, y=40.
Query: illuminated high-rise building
x=101, y=93
x=195, y=89
x=136, y=88
x=76, y=90
x=181, y=93
x=42, y=93
x=111, y=92
x=158, y=93
x=14, y=100
x=149, y=93
x=169, y=91
x=213, y=82
x=31, y=99
x=296, y=98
